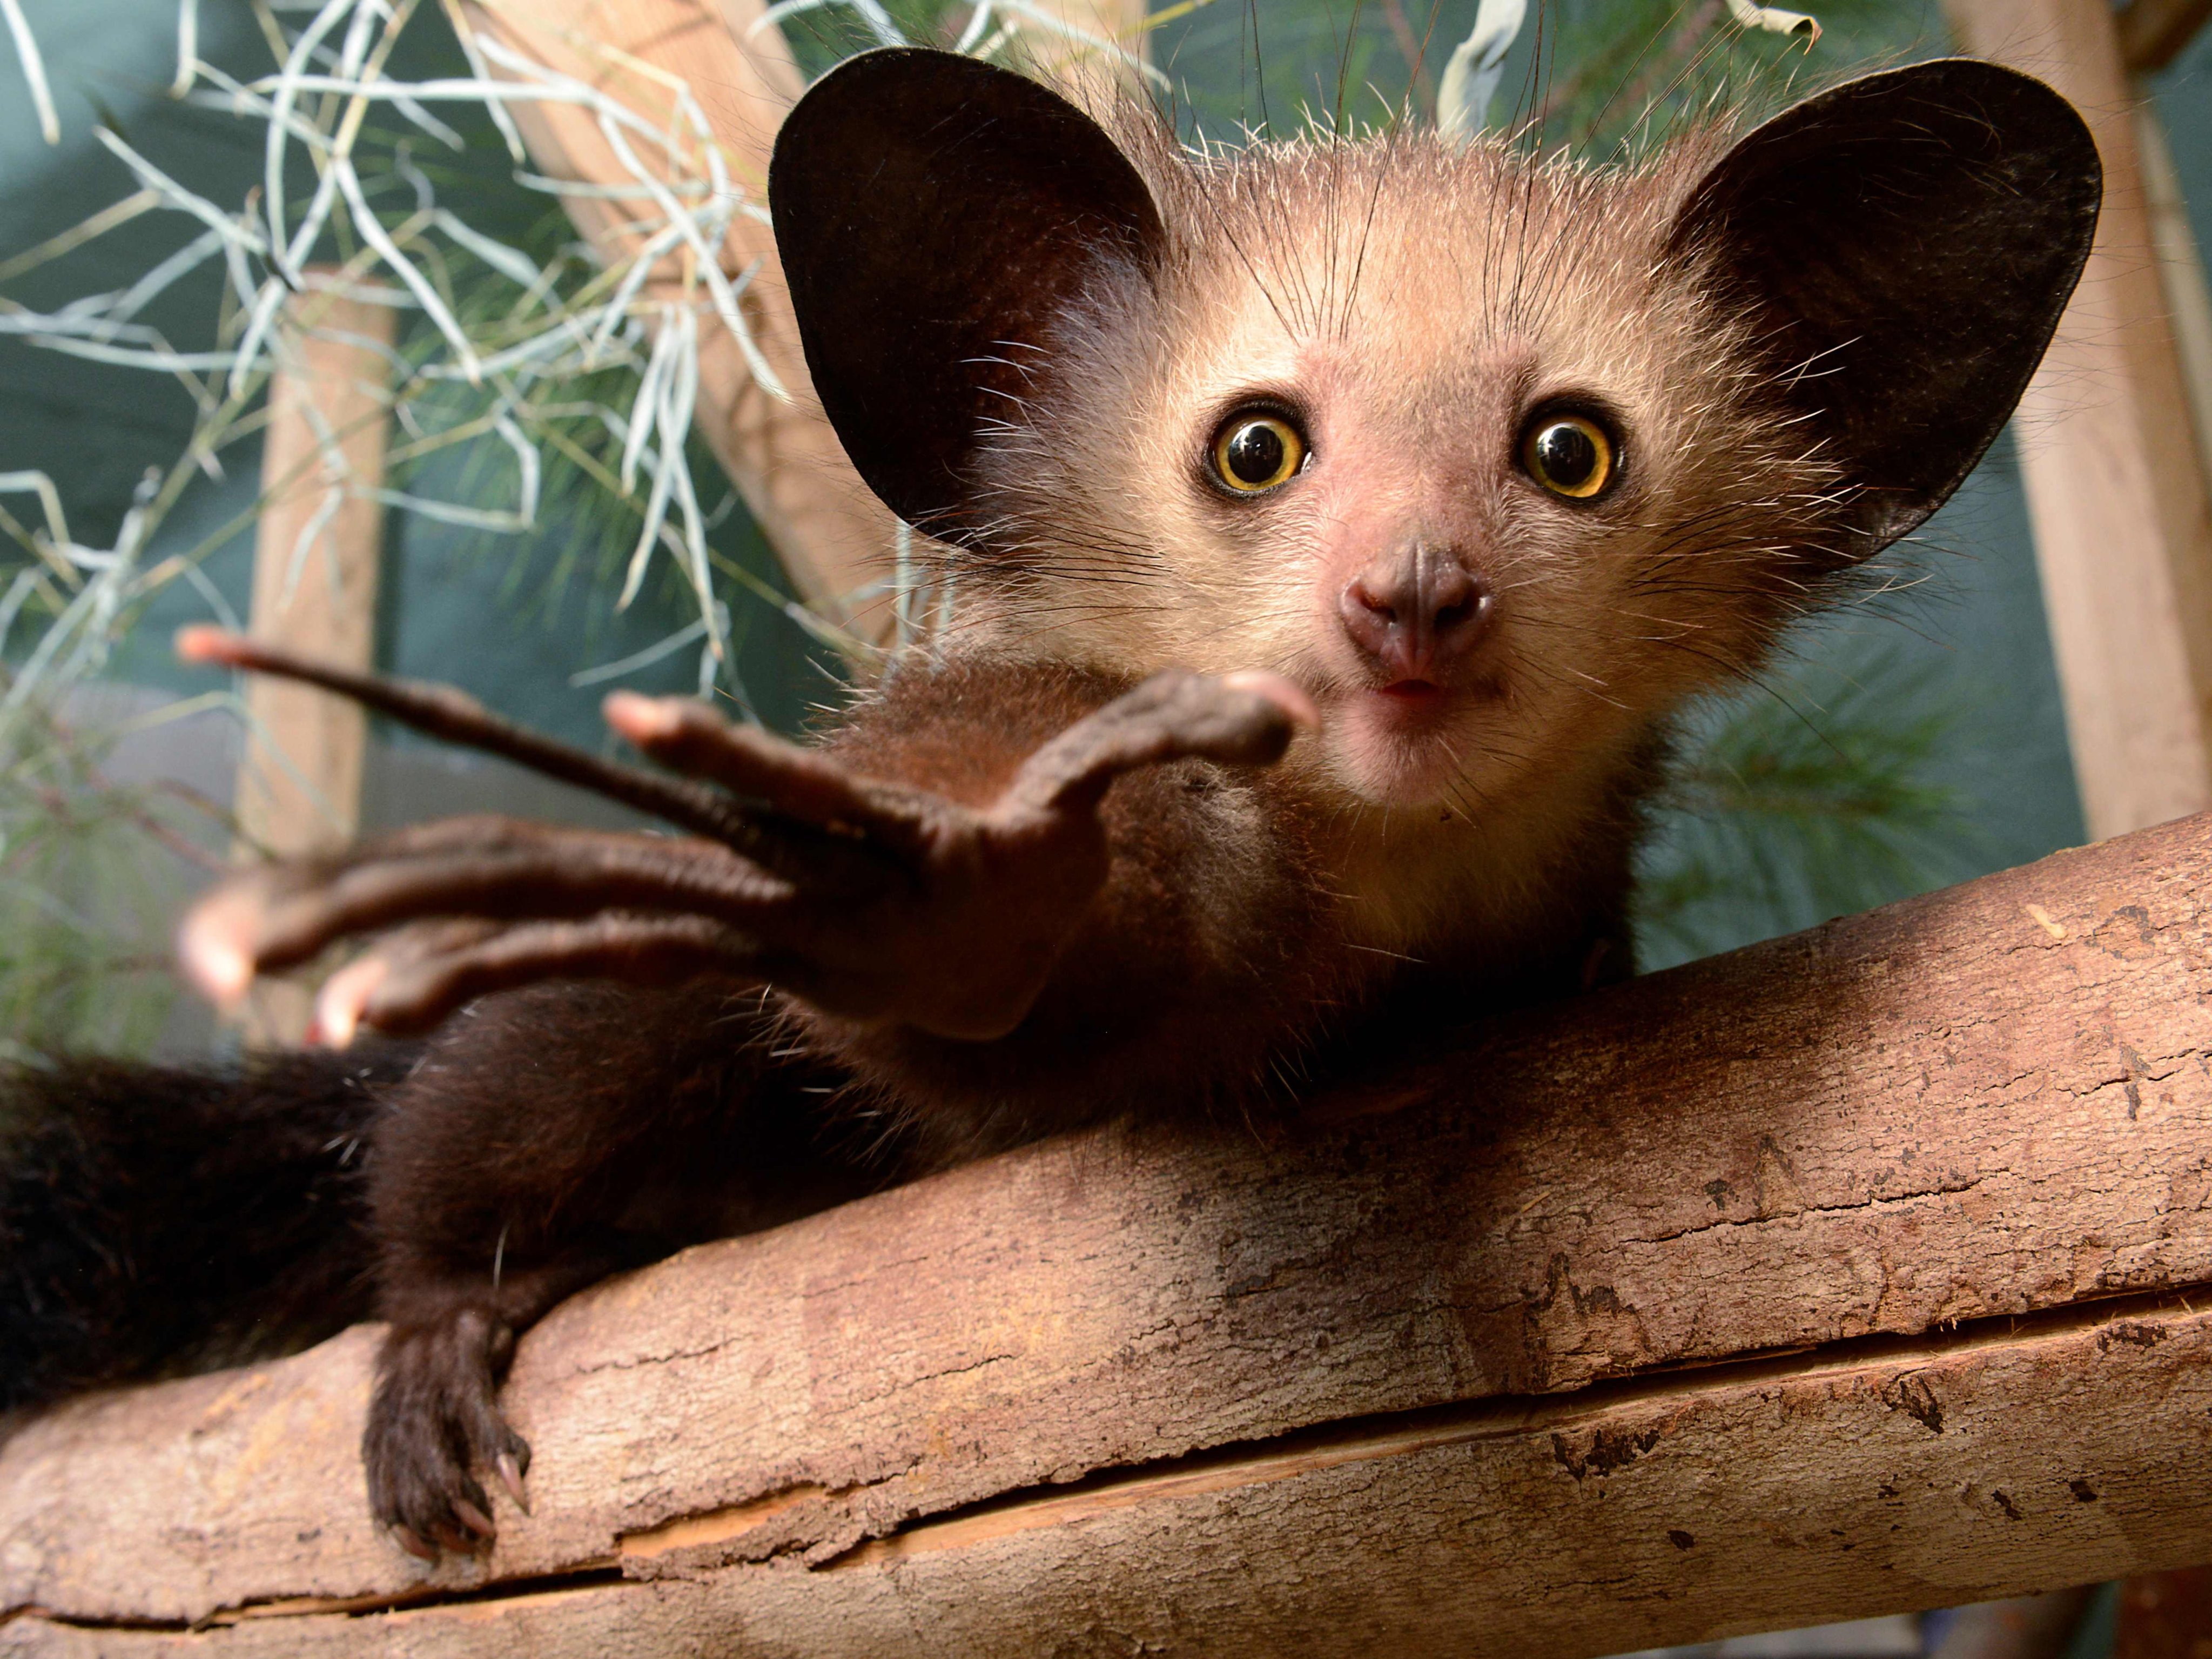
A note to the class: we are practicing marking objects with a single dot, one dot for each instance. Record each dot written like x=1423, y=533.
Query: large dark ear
x=1905, y=244
x=932, y=214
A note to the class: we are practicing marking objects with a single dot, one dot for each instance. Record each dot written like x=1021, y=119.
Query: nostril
x=1375, y=605
x=1470, y=607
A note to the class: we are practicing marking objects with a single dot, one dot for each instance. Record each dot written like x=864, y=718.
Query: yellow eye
x=1570, y=455
x=1253, y=453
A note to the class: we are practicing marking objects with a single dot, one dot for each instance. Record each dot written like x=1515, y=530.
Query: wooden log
x=2119, y=498
x=1857, y=1272
x=317, y=550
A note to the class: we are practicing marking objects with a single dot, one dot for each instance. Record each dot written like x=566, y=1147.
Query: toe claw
x=474, y=1518
x=406, y=1537
x=510, y=1476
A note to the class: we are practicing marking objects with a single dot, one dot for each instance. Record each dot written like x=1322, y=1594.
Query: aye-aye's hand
x=870, y=899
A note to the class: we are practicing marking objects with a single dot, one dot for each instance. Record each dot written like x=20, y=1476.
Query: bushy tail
x=157, y=1220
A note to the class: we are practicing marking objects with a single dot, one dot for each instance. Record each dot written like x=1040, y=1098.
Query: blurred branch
x=835, y=538
x=2154, y=32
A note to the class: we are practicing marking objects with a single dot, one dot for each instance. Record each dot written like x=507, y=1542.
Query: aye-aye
x=1336, y=524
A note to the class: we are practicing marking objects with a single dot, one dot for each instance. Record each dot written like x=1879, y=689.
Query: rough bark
x=1851, y=1273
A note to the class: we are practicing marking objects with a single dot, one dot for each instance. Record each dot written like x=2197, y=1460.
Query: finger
x=277, y=922
x=1173, y=715
x=823, y=823
x=641, y=949
x=216, y=941
x=574, y=879
x=440, y=711
x=493, y=1445
x=691, y=737
x=339, y=1002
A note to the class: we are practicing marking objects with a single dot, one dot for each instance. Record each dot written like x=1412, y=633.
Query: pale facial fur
x=1411, y=307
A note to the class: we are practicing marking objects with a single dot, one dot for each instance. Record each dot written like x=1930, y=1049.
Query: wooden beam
x=316, y=557
x=2153, y=33
x=2122, y=511
x=1860, y=1271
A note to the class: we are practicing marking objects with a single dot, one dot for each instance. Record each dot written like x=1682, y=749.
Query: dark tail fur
x=156, y=1220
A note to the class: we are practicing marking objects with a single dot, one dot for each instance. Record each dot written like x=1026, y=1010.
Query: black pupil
x=1566, y=454
x=1255, y=453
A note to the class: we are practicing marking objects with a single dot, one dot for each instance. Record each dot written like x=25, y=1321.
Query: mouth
x=1397, y=742
x=1413, y=694
x=1409, y=705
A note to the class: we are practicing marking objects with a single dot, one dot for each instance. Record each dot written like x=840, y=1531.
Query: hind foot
x=433, y=1422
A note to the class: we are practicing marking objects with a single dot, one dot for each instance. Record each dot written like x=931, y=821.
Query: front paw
x=873, y=901
x=433, y=1420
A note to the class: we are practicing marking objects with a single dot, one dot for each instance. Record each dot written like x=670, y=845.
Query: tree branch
x=1855, y=1272
x=834, y=537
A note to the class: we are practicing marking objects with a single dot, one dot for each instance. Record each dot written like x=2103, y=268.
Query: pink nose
x=1416, y=612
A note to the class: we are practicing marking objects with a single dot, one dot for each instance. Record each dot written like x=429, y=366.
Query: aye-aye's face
x=1422, y=431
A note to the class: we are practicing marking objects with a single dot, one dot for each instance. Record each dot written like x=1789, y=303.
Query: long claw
x=510, y=1476
x=474, y=1518
x=1287, y=694
x=406, y=1538
x=770, y=838
x=641, y=949
x=804, y=783
x=211, y=949
x=338, y=1004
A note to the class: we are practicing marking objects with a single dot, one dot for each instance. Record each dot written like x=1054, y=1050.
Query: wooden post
x=2115, y=484
x=2151, y=34
x=1865, y=1270
x=315, y=561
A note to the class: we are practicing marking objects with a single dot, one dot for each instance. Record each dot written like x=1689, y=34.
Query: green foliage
x=1820, y=794
x=92, y=873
